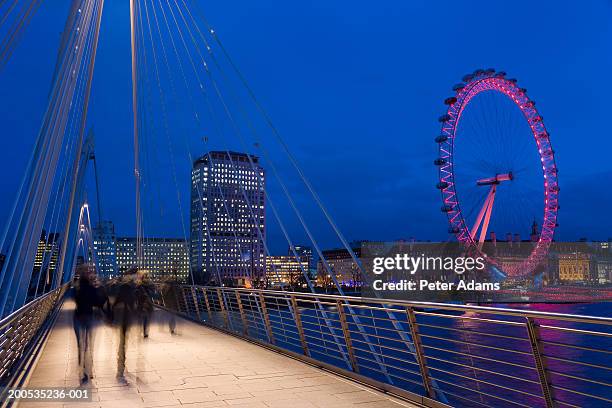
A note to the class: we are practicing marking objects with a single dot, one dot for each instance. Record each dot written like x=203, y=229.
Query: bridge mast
x=79, y=151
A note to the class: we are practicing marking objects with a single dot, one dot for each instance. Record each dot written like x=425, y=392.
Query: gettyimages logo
x=499, y=271
x=422, y=263
x=425, y=271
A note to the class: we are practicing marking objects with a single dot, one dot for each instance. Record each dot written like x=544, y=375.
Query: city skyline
x=398, y=196
x=308, y=204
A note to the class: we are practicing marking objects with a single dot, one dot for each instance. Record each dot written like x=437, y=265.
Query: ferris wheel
x=496, y=168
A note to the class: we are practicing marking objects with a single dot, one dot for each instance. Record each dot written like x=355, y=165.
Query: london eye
x=496, y=169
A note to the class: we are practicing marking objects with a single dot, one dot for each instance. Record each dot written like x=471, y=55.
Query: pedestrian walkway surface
x=197, y=367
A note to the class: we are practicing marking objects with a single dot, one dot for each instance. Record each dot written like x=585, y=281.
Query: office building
x=228, y=219
x=603, y=256
x=105, y=247
x=162, y=257
x=342, y=265
x=303, y=252
x=45, y=263
x=604, y=271
x=285, y=271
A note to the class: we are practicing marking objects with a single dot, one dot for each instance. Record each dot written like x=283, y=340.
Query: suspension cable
x=24, y=232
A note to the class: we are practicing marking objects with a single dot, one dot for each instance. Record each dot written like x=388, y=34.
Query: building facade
x=45, y=263
x=575, y=267
x=228, y=219
x=604, y=262
x=604, y=271
x=105, y=247
x=342, y=265
x=285, y=271
x=303, y=252
x=162, y=257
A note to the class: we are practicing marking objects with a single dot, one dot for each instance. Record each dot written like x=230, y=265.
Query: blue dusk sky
x=355, y=88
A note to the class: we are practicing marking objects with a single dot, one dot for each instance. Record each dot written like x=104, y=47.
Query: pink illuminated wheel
x=497, y=170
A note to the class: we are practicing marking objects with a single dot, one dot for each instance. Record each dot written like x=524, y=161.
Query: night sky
x=356, y=88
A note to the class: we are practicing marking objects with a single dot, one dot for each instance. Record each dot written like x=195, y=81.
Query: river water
x=473, y=359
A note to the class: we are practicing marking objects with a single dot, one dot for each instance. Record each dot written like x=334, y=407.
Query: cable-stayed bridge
x=238, y=346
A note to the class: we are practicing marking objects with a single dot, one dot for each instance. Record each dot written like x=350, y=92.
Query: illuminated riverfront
x=305, y=204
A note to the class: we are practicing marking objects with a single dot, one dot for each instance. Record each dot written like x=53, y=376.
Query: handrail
x=469, y=355
x=7, y=319
x=433, y=305
x=18, y=329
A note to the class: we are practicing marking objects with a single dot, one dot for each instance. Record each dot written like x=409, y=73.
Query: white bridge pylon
x=484, y=215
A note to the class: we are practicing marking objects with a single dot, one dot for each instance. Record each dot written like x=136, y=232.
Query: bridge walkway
x=197, y=367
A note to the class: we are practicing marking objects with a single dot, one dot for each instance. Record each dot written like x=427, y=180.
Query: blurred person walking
x=144, y=300
x=102, y=300
x=170, y=302
x=123, y=311
x=86, y=298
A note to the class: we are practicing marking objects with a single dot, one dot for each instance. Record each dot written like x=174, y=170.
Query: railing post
x=536, y=349
x=245, y=326
x=10, y=332
x=185, y=300
x=266, y=318
x=195, y=302
x=419, y=353
x=178, y=301
x=298, y=324
x=205, y=292
x=222, y=306
x=163, y=299
x=347, y=335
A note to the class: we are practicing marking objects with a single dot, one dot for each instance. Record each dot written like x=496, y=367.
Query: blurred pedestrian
x=123, y=311
x=144, y=300
x=85, y=299
x=102, y=300
x=170, y=302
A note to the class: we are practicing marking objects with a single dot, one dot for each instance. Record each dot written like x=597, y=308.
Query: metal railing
x=433, y=354
x=19, y=330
